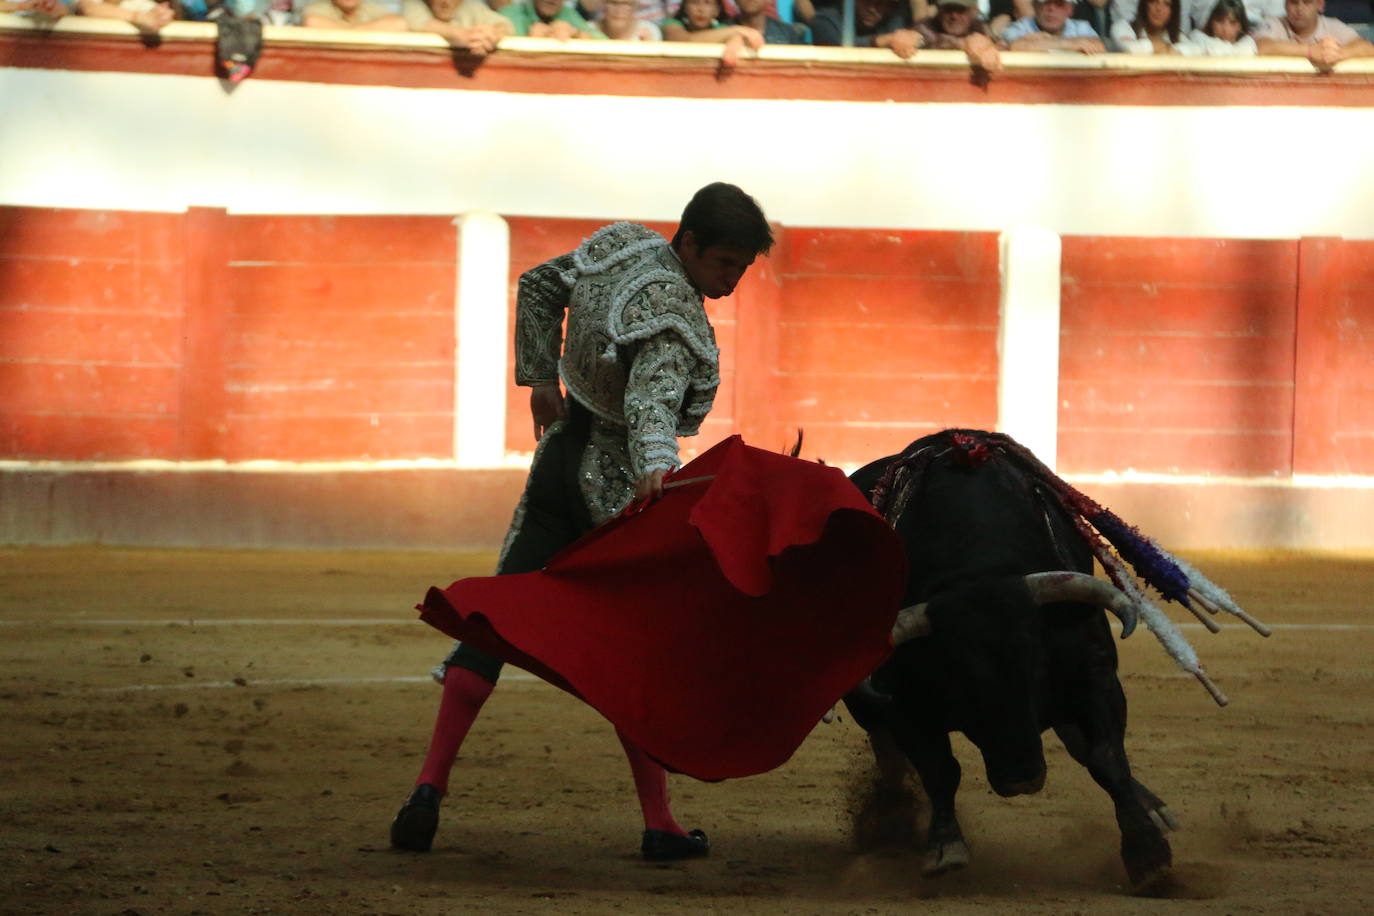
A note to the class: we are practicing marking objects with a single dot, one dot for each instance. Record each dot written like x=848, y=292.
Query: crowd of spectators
x=979, y=28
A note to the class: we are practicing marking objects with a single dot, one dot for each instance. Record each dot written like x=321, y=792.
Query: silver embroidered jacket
x=640, y=353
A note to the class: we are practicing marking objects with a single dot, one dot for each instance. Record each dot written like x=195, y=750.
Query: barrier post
x=481, y=345
x=1028, y=340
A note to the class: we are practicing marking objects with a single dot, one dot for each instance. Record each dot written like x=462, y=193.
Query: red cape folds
x=714, y=626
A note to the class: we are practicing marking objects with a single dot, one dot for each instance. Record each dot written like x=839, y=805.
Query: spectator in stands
x=144, y=15
x=618, y=21
x=906, y=38
x=1002, y=13
x=50, y=10
x=700, y=20
x=1155, y=29
x=1051, y=29
x=1225, y=34
x=654, y=11
x=760, y=16
x=1304, y=32
x=874, y=23
x=548, y=19
x=469, y=24
x=281, y=12
x=1199, y=11
x=351, y=14
x=957, y=26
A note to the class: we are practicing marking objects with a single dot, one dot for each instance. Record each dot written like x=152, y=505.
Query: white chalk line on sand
x=508, y=675
x=293, y=682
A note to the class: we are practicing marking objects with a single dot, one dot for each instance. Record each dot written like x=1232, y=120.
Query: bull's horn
x=911, y=622
x=1047, y=587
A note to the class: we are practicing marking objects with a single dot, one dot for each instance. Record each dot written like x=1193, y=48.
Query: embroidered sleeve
x=659, y=377
x=540, y=301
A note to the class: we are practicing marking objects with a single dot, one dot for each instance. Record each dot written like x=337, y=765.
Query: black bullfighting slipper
x=417, y=820
x=662, y=846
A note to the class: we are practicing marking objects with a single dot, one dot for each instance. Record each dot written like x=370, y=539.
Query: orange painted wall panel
x=1128, y=403
x=360, y=436
x=385, y=241
x=86, y=436
x=893, y=352
x=1354, y=407
x=902, y=253
x=857, y=444
x=1181, y=342
x=340, y=337
x=919, y=301
x=90, y=333
x=1177, y=355
x=886, y=336
x=1333, y=423
x=1187, y=261
x=931, y=401
x=89, y=235
x=332, y=292
x=363, y=389
x=49, y=335
x=89, y=286
x=1166, y=307
x=1173, y=358
x=1212, y=453
x=295, y=339
x=89, y=389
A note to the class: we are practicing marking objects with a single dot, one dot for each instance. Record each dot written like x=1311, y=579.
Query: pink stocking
x=651, y=784
x=464, y=693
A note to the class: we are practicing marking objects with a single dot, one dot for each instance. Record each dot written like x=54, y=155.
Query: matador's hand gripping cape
x=714, y=626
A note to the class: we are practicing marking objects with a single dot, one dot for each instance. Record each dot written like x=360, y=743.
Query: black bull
x=995, y=666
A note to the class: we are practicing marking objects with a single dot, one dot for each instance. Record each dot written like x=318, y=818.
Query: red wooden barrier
x=202, y=335
x=340, y=344
x=90, y=333
x=1176, y=355
x=886, y=336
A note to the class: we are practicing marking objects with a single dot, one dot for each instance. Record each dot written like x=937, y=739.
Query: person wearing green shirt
x=548, y=19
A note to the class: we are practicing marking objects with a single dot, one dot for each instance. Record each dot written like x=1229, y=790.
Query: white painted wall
x=146, y=142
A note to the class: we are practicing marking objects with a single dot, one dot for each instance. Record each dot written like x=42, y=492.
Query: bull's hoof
x=942, y=858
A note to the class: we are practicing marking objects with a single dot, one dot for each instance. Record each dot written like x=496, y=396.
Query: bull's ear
x=912, y=623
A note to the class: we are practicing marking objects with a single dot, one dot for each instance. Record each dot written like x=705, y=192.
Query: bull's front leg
x=930, y=753
x=1145, y=851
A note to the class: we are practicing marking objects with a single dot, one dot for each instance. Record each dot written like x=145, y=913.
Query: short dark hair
x=722, y=214
x=681, y=16
x=1234, y=8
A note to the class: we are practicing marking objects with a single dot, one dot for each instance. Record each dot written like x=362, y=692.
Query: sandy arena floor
x=230, y=732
